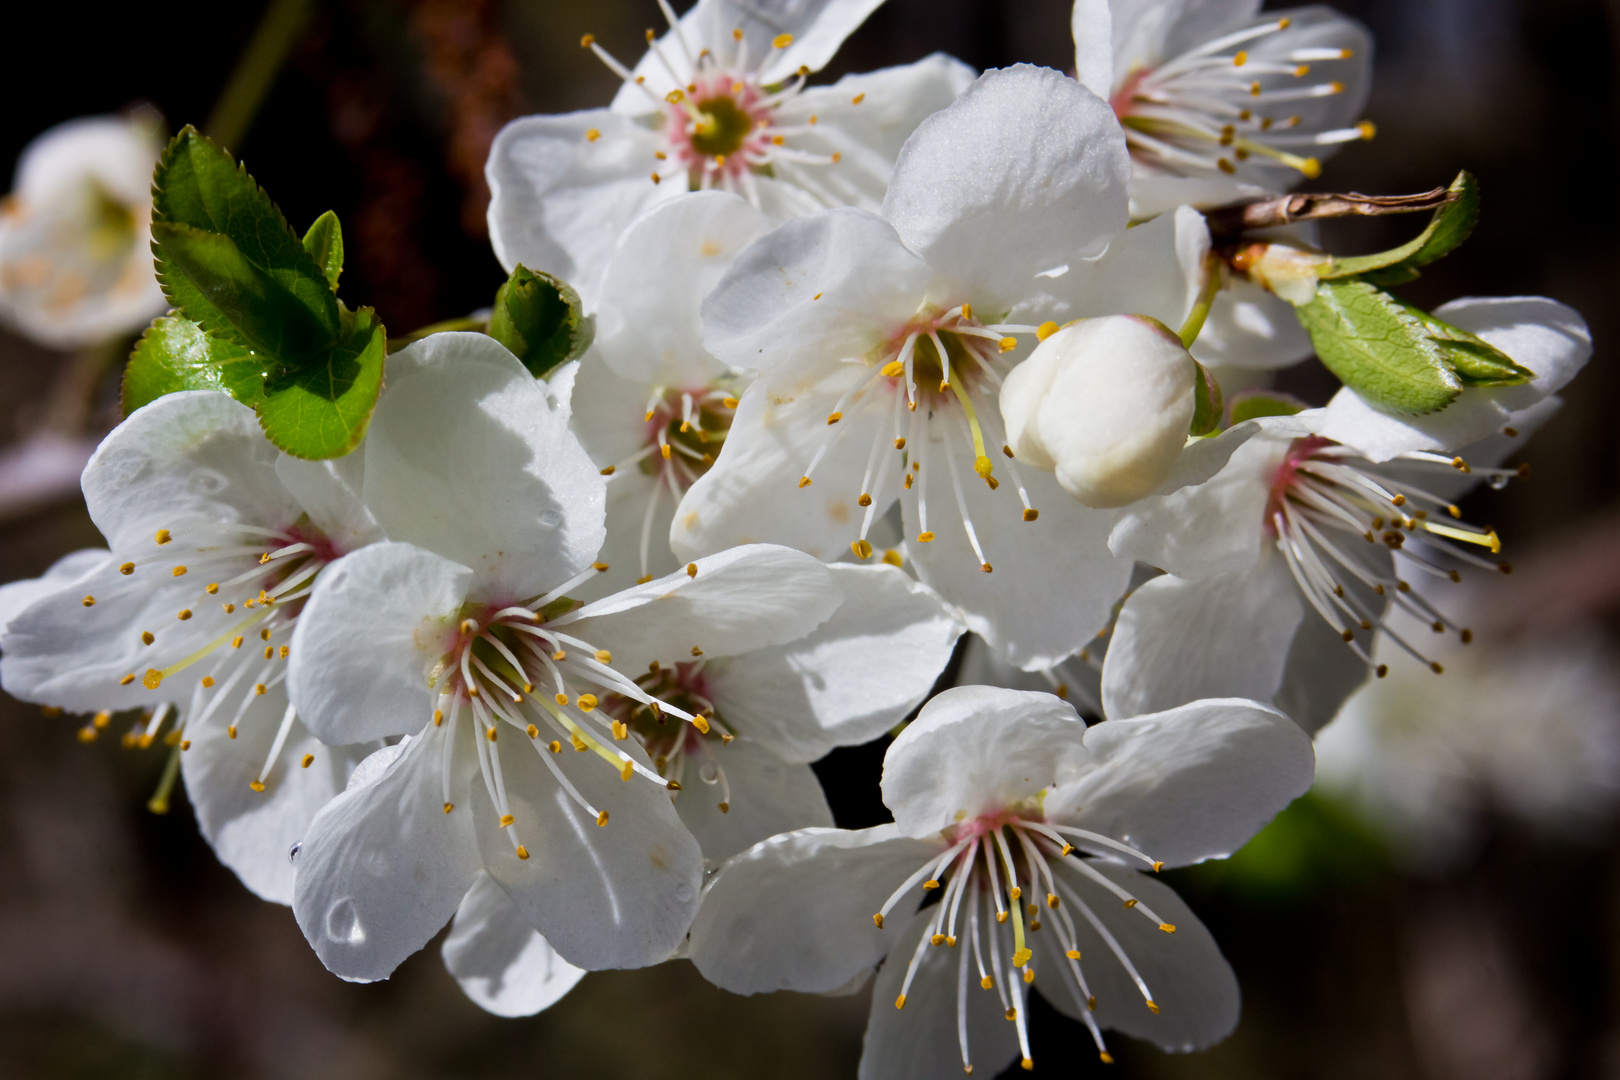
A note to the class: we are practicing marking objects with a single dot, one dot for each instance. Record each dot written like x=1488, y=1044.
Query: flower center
x=1215, y=105
x=674, y=747
x=1324, y=496
x=719, y=128
x=988, y=880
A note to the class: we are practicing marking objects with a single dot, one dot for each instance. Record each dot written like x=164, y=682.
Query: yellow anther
x=586, y=702
x=127, y=679
x=308, y=760
x=230, y=732
x=1107, y=1058
x=1073, y=954
x=522, y=852
x=183, y=614
x=891, y=557
x=1051, y=900
x=602, y=655
x=877, y=920
x=87, y=734
x=937, y=940
x=185, y=744
x=229, y=608
x=146, y=637
x=862, y=549
x=725, y=808
x=737, y=34
x=691, y=569
x=592, y=134
x=1154, y=1009
x=1021, y=957
x=1012, y=1014
x=257, y=785
x=559, y=656
x=930, y=884
x=127, y=569
x=725, y=739
x=587, y=41
x=701, y=723
x=1015, y=892
x=656, y=178
x=609, y=471
x=562, y=699
x=864, y=500
x=900, y=1002
x=1311, y=169
x=1130, y=903
x=675, y=97
x=925, y=538
x=534, y=732
x=259, y=688
x=672, y=785
x=900, y=443
x=449, y=806
x=987, y=983
x=507, y=819
x=152, y=679
x=696, y=651
x=264, y=558
x=1368, y=130
x=555, y=747
x=162, y=536
x=269, y=651
x=1045, y=330
x=600, y=567
x=1029, y=977
x=781, y=41
x=620, y=732
x=833, y=418
x=601, y=819
x=804, y=481
x=1091, y=1003
x=894, y=369
x=1001, y=916
x=1240, y=59
x=101, y=719
x=729, y=402
x=88, y=601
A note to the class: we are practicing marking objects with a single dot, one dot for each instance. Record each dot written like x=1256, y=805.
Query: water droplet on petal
x=292, y=855
x=709, y=772
x=206, y=482
x=343, y=923
x=550, y=519
x=1498, y=482
x=683, y=892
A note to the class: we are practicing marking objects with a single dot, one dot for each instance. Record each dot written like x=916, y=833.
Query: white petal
x=1155, y=194
x=329, y=492
x=63, y=573
x=382, y=868
x=1093, y=33
x=253, y=832
x=1210, y=516
x=1226, y=635
x=559, y=201
x=1191, y=982
x=663, y=267
x=978, y=750
x=1322, y=671
x=986, y=218
x=1548, y=338
x=1155, y=269
x=921, y=1041
x=499, y=960
x=812, y=292
x=741, y=599
x=754, y=492
x=1320, y=27
x=765, y=796
x=364, y=646
x=1053, y=583
x=192, y=456
x=1249, y=327
x=1189, y=784
x=612, y=896
x=795, y=912
x=818, y=29
x=465, y=457
x=851, y=679
x=1149, y=32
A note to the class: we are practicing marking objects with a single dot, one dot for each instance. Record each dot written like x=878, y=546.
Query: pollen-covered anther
x=602, y=818
x=162, y=536
x=862, y=548
x=586, y=702
x=449, y=806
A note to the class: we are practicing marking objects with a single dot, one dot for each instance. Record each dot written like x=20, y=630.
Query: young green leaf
x=324, y=242
x=228, y=259
x=1477, y=362
x=176, y=354
x=1378, y=348
x=1447, y=229
x=321, y=411
x=540, y=319
x=1206, y=402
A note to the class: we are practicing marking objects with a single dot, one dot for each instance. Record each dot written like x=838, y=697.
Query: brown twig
x=1231, y=221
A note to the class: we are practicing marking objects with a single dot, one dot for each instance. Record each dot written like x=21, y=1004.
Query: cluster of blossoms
x=876, y=364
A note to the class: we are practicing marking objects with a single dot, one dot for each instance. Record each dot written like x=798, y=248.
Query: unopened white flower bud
x=1105, y=404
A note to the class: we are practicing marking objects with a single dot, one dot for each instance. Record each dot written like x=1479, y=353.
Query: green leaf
x=1207, y=402
x=228, y=259
x=324, y=242
x=1257, y=403
x=1378, y=348
x=1447, y=229
x=321, y=411
x=540, y=319
x=176, y=354
x=1477, y=362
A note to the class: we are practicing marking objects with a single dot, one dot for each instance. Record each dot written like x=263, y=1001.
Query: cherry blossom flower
x=1028, y=827
x=720, y=101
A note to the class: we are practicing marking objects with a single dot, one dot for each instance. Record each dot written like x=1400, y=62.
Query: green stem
x=255, y=72
x=1206, y=299
x=466, y=323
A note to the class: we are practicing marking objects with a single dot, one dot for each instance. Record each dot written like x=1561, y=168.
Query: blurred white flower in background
x=1528, y=728
x=75, y=232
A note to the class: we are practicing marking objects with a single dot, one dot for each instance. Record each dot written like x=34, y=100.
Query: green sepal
x=541, y=320
x=1207, y=405
x=1446, y=230
x=227, y=258
x=1257, y=403
x=1378, y=347
x=324, y=242
x=321, y=411
x=176, y=354
x=1476, y=361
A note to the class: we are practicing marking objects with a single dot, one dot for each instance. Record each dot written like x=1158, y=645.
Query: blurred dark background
x=126, y=950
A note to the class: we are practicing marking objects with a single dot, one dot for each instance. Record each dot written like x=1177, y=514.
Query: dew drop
x=343, y=923
x=292, y=855
x=206, y=482
x=550, y=519
x=709, y=772
x=1498, y=482
x=683, y=892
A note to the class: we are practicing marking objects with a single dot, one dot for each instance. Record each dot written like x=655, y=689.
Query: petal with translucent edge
x=329, y=492
x=499, y=960
x=1155, y=193
x=671, y=258
x=619, y=895
x=1322, y=671
x=1093, y=33
x=1156, y=269
x=1146, y=33
x=17, y=595
x=1545, y=336
x=1188, y=784
x=382, y=867
x=812, y=292
x=865, y=119
x=852, y=678
x=196, y=456
x=977, y=750
x=922, y=1040
x=1210, y=516
x=817, y=29
x=1319, y=27
x=467, y=458
x=560, y=200
x=764, y=795
x=363, y=648
x=987, y=218
x=1226, y=635
x=253, y=832
x=795, y=911
x=1191, y=982
x=1251, y=328
x=755, y=494
x=741, y=599
x=1053, y=581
